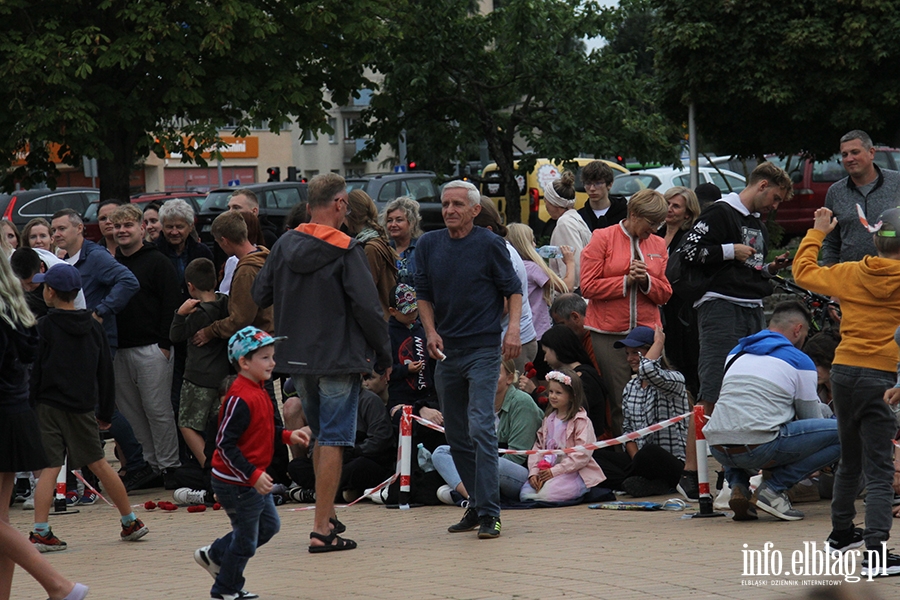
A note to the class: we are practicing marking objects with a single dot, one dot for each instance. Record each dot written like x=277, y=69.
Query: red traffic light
x=412, y=165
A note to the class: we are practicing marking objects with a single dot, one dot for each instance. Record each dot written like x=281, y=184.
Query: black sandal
x=338, y=526
x=332, y=542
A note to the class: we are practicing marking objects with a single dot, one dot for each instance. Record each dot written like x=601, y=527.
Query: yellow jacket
x=869, y=291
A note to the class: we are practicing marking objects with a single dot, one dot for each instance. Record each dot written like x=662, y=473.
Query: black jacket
x=618, y=210
x=74, y=370
x=192, y=249
x=147, y=317
x=18, y=349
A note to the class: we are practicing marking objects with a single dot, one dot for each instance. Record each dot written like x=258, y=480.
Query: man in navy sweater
x=465, y=283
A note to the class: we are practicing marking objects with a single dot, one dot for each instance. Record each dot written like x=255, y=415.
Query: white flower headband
x=559, y=377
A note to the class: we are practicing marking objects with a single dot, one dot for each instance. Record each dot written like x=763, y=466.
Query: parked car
x=531, y=188
x=92, y=227
x=419, y=185
x=812, y=178
x=25, y=205
x=276, y=199
x=663, y=178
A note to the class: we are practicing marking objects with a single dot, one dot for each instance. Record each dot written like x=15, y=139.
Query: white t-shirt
x=49, y=259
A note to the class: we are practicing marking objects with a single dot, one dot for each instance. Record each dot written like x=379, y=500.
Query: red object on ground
x=167, y=506
x=217, y=506
x=197, y=508
x=149, y=504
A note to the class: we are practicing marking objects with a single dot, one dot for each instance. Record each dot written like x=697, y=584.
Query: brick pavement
x=571, y=552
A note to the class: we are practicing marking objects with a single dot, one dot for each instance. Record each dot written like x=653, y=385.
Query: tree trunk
x=115, y=172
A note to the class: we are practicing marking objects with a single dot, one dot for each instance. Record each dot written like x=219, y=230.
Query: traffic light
x=412, y=165
x=274, y=173
x=620, y=159
x=291, y=174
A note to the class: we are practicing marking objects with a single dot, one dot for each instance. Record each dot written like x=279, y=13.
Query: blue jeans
x=511, y=475
x=254, y=521
x=466, y=381
x=330, y=406
x=800, y=448
x=866, y=428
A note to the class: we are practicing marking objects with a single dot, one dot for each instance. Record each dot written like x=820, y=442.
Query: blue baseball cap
x=247, y=340
x=62, y=277
x=639, y=336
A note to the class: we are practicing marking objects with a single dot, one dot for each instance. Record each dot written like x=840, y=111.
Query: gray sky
x=598, y=42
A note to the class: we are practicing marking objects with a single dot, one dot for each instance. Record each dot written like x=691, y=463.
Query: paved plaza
x=573, y=552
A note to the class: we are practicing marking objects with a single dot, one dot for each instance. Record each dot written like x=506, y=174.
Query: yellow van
x=531, y=187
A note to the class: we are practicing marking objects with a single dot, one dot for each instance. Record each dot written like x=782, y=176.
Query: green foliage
x=116, y=80
x=781, y=77
x=454, y=77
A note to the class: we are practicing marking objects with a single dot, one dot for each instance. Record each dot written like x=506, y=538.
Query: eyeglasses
x=346, y=201
x=594, y=184
x=652, y=224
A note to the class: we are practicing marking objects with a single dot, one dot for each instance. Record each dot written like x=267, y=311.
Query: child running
x=862, y=371
x=555, y=478
x=72, y=375
x=244, y=447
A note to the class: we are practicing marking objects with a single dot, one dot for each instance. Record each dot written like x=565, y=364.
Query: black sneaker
x=740, y=503
x=141, y=479
x=641, y=487
x=469, y=522
x=490, y=528
x=302, y=495
x=845, y=539
x=891, y=566
x=170, y=478
x=689, y=486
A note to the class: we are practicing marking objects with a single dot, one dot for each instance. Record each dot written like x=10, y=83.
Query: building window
x=332, y=137
x=309, y=136
x=348, y=125
x=310, y=173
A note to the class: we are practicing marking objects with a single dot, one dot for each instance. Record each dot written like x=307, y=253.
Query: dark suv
x=25, y=205
x=419, y=185
x=276, y=200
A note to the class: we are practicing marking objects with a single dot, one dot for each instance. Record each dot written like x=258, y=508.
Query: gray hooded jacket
x=325, y=302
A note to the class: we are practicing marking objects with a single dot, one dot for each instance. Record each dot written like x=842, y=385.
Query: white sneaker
x=28, y=504
x=722, y=498
x=378, y=497
x=201, y=555
x=188, y=496
x=443, y=494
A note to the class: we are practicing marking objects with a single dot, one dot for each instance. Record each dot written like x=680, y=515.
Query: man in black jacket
x=601, y=210
x=144, y=361
x=729, y=242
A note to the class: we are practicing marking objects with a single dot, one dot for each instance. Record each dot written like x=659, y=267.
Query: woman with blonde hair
x=543, y=284
x=570, y=230
x=11, y=234
x=624, y=278
x=362, y=223
x=20, y=437
x=36, y=234
x=680, y=317
x=401, y=221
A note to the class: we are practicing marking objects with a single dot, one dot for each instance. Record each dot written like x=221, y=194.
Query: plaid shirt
x=664, y=397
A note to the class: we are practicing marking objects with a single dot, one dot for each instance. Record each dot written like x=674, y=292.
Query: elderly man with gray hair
x=464, y=280
x=874, y=189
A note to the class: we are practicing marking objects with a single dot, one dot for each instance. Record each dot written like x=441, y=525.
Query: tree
x=454, y=77
x=116, y=80
x=768, y=77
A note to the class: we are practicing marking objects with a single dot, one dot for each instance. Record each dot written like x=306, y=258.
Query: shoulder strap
x=733, y=358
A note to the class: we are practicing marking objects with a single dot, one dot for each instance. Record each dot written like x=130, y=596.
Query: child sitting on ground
x=72, y=372
x=244, y=447
x=862, y=371
x=206, y=365
x=561, y=478
x=654, y=394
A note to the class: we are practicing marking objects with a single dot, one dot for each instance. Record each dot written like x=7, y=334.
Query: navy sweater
x=466, y=281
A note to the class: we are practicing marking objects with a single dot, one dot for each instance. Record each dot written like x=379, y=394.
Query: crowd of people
x=179, y=356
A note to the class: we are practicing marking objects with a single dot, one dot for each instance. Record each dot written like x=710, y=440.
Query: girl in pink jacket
x=560, y=478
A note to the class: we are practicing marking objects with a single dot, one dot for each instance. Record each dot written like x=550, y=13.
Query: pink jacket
x=579, y=431
x=605, y=262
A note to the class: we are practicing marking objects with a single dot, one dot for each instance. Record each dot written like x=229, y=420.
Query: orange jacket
x=605, y=262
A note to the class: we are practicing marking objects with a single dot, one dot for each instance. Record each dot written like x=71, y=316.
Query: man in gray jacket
x=868, y=185
x=326, y=304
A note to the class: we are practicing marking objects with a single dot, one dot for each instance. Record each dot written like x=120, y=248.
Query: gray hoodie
x=325, y=302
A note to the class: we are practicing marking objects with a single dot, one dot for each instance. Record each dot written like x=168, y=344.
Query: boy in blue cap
x=72, y=375
x=244, y=447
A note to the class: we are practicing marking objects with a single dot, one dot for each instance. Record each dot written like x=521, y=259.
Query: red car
x=92, y=227
x=811, y=182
